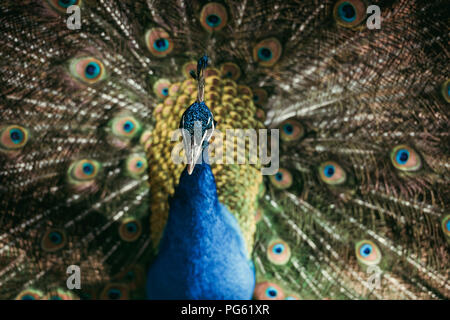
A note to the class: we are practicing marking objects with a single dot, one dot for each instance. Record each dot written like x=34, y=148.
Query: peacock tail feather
x=359, y=208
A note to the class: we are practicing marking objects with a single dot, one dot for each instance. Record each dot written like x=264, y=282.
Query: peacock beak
x=194, y=145
x=192, y=156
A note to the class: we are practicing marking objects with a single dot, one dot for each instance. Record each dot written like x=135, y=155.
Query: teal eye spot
x=16, y=136
x=288, y=128
x=264, y=54
x=55, y=237
x=28, y=297
x=271, y=292
x=255, y=98
x=92, y=70
x=347, y=12
x=402, y=156
x=128, y=126
x=165, y=92
x=139, y=164
x=130, y=276
x=114, y=294
x=66, y=3
x=278, y=249
x=448, y=225
x=279, y=176
x=131, y=227
x=213, y=20
x=366, y=250
x=329, y=171
x=88, y=168
x=161, y=44
x=55, y=298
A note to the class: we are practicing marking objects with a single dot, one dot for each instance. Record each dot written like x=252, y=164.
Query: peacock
x=92, y=94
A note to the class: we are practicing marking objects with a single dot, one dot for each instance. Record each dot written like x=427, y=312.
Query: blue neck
x=202, y=254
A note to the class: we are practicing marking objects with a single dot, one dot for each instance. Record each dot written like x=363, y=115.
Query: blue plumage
x=202, y=254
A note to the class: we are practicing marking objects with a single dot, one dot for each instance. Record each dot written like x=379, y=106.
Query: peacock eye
x=29, y=294
x=405, y=158
x=332, y=173
x=136, y=165
x=83, y=170
x=367, y=252
x=446, y=90
x=188, y=67
x=349, y=13
x=161, y=88
x=291, y=130
x=53, y=240
x=267, y=52
x=278, y=252
x=130, y=230
x=446, y=225
x=271, y=292
x=158, y=42
x=213, y=17
x=126, y=127
x=115, y=292
x=87, y=70
x=230, y=70
x=260, y=96
x=62, y=5
x=282, y=179
x=59, y=295
x=268, y=291
x=13, y=137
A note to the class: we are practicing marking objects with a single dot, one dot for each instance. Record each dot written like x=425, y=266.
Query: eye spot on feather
x=136, y=165
x=62, y=5
x=213, y=17
x=53, y=240
x=59, y=294
x=260, y=96
x=87, y=70
x=114, y=291
x=332, y=173
x=367, y=252
x=267, y=52
x=446, y=225
x=13, y=137
x=278, y=252
x=83, y=170
x=405, y=158
x=282, y=179
x=130, y=230
x=268, y=291
x=230, y=70
x=291, y=130
x=446, y=90
x=126, y=127
x=29, y=294
x=188, y=67
x=161, y=88
x=349, y=13
x=159, y=42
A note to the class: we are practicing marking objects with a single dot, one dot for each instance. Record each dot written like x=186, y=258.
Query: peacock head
x=197, y=124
